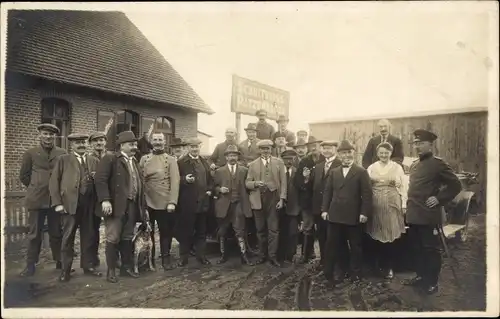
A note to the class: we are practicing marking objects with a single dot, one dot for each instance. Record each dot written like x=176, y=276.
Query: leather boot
x=28, y=271
x=126, y=252
x=307, y=250
x=111, y=256
x=223, y=255
x=166, y=264
x=244, y=254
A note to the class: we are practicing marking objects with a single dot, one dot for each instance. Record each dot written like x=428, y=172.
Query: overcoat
x=292, y=207
x=64, y=183
x=35, y=172
x=112, y=182
x=346, y=198
x=278, y=171
x=316, y=184
x=188, y=193
x=305, y=192
x=222, y=178
x=370, y=154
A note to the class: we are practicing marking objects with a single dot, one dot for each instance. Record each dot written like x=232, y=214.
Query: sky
x=336, y=61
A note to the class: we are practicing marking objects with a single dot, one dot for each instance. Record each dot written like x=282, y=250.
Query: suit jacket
x=112, y=182
x=248, y=154
x=64, y=183
x=218, y=157
x=370, y=154
x=188, y=193
x=35, y=172
x=265, y=131
x=316, y=184
x=345, y=199
x=254, y=171
x=292, y=207
x=222, y=178
x=305, y=191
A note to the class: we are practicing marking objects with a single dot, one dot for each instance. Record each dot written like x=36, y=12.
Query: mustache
x=133, y=149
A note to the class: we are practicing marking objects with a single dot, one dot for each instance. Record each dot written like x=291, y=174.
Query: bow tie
x=346, y=166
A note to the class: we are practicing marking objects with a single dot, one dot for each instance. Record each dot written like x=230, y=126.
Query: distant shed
x=462, y=136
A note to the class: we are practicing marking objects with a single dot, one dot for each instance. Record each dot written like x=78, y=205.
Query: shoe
x=92, y=272
x=203, y=261
x=356, y=279
x=431, y=289
x=245, y=260
x=182, y=263
x=165, y=262
x=111, y=276
x=128, y=272
x=28, y=271
x=59, y=266
x=415, y=281
x=192, y=252
x=222, y=247
x=64, y=276
x=274, y=262
x=389, y=274
x=260, y=261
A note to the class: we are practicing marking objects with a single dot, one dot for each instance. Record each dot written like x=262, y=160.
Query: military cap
x=48, y=127
x=96, y=135
x=421, y=135
x=345, y=145
x=232, y=149
x=329, y=143
x=177, y=142
x=265, y=143
x=126, y=137
x=288, y=154
x=193, y=141
x=282, y=118
x=300, y=142
x=260, y=111
x=77, y=137
x=251, y=127
x=312, y=140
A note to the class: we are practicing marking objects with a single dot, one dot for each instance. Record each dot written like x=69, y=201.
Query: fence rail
x=16, y=215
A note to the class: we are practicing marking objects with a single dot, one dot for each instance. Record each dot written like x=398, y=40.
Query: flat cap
x=282, y=118
x=265, y=143
x=96, y=135
x=421, y=135
x=288, y=154
x=48, y=127
x=302, y=132
x=345, y=145
x=329, y=143
x=193, y=141
x=232, y=149
x=260, y=111
x=77, y=137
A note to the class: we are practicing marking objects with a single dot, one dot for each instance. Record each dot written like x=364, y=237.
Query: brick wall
x=23, y=113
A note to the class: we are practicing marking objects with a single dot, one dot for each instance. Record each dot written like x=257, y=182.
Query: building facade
x=206, y=146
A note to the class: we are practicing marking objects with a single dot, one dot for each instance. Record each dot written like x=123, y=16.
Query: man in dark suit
x=120, y=193
x=370, y=155
x=232, y=205
x=282, y=122
x=248, y=147
x=265, y=131
x=289, y=217
x=426, y=198
x=177, y=148
x=36, y=168
x=301, y=148
x=218, y=159
x=196, y=184
x=71, y=190
x=97, y=141
x=347, y=204
x=266, y=181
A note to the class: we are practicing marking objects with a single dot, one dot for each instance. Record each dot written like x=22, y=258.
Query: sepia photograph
x=249, y=159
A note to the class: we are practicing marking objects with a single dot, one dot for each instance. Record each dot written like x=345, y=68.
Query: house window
x=56, y=112
x=106, y=124
x=127, y=121
x=165, y=125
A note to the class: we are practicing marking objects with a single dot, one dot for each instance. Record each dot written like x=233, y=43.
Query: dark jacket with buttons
x=430, y=176
x=305, y=192
x=317, y=184
x=35, y=172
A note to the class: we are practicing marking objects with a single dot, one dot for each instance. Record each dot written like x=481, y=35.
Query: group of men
x=281, y=184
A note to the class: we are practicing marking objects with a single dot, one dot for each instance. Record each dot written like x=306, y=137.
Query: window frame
x=54, y=102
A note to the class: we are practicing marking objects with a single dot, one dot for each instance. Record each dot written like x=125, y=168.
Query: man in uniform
x=121, y=201
x=177, y=148
x=36, y=168
x=218, y=158
x=71, y=190
x=161, y=187
x=248, y=147
x=282, y=122
x=426, y=198
x=266, y=181
x=232, y=205
x=265, y=131
x=370, y=154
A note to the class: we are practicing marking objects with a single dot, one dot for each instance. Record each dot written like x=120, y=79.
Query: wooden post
x=238, y=126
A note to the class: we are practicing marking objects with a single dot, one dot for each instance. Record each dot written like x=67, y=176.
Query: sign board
x=249, y=96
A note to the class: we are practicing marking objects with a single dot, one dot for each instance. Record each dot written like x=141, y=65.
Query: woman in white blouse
x=387, y=222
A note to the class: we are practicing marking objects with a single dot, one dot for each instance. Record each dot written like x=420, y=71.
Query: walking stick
x=448, y=253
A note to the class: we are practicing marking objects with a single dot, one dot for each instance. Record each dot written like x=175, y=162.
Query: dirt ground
x=236, y=287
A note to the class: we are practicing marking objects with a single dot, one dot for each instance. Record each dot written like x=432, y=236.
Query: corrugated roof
x=102, y=50
x=404, y=115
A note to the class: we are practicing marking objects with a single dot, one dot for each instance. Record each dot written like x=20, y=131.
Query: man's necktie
x=327, y=167
x=287, y=176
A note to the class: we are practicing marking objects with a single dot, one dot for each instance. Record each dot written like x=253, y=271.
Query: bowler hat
x=288, y=154
x=312, y=140
x=177, y=142
x=265, y=143
x=421, y=135
x=329, y=143
x=77, y=137
x=282, y=118
x=300, y=142
x=96, y=135
x=48, y=127
x=251, y=127
x=232, y=149
x=193, y=141
x=126, y=137
x=345, y=145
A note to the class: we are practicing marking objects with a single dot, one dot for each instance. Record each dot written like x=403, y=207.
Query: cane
x=448, y=254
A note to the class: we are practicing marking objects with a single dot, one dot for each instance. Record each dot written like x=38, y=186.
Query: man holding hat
x=97, y=142
x=177, y=148
x=426, y=198
x=120, y=193
x=71, y=190
x=218, y=158
x=195, y=190
x=36, y=168
x=264, y=129
x=266, y=181
x=347, y=205
x=232, y=205
x=282, y=122
x=248, y=147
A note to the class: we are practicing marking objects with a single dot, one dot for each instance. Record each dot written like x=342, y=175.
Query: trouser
x=385, y=254
x=337, y=238
x=198, y=223
x=119, y=234
x=36, y=220
x=267, y=224
x=288, y=237
x=90, y=238
x=166, y=225
x=234, y=218
x=321, y=235
x=427, y=251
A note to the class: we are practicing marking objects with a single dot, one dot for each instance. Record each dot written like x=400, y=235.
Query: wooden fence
x=15, y=215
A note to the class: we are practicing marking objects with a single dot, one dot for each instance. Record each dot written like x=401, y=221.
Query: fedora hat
x=312, y=140
x=193, y=141
x=345, y=145
x=177, y=142
x=300, y=142
x=232, y=149
x=288, y=154
x=251, y=127
x=126, y=137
